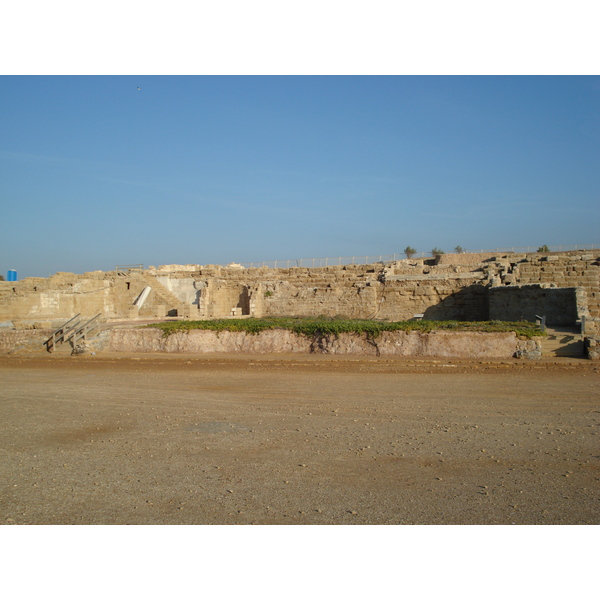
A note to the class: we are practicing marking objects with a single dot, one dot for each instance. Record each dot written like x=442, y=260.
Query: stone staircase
x=160, y=298
x=563, y=342
x=161, y=294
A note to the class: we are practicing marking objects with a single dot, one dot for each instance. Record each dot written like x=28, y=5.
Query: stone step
x=62, y=350
x=574, y=349
x=563, y=341
x=550, y=343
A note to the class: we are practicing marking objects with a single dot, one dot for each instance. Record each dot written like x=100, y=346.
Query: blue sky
x=214, y=169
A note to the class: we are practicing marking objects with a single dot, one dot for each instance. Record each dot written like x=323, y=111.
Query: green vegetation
x=409, y=251
x=334, y=326
x=436, y=252
x=268, y=294
x=543, y=248
x=458, y=249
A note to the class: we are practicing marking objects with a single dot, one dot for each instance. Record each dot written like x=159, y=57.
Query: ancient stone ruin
x=469, y=287
x=562, y=287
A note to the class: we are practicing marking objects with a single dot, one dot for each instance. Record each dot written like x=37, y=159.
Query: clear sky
x=215, y=169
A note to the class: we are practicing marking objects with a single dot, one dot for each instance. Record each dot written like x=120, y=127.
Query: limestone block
x=423, y=291
x=591, y=345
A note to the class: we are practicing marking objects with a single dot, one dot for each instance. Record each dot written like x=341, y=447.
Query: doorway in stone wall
x=244, y=300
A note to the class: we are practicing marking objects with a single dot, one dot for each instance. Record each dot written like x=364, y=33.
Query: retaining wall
x=396, y=343
x=23, y=340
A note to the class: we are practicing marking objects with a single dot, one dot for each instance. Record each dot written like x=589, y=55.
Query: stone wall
x=398, y=343
x=592, y=326
x=573, y=269
x=464, y=258
x=525, y=303
x=456, y=287
x=591, y=346
x=17, y=341
x=49, y=302
x=443, y=344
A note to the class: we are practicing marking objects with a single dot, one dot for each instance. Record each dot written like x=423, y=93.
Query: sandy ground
x=113, y=439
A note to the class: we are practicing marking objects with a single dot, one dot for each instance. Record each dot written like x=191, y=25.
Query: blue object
x=11, y=275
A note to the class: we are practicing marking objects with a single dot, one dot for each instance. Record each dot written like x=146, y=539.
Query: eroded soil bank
x=456, y=344
x=293, y=439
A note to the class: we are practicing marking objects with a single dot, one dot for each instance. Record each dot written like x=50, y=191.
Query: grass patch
x=334, y=326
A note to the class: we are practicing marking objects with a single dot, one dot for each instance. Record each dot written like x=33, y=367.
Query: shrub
x=316, y=326
x=543, y=248
x=436, y=252
x=409, y=251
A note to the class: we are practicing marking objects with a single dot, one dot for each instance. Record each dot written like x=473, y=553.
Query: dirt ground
x=223, y=439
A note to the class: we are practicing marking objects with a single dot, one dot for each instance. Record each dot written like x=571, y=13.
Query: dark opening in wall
x=516, y=303
x=244, y=301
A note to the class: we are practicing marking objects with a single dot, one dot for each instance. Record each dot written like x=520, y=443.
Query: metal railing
x=528, y=249
x=63, y=333
x=72, y=330
x=128, y=268
x=325, y=262
x=82, y=331
x=387, y=258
